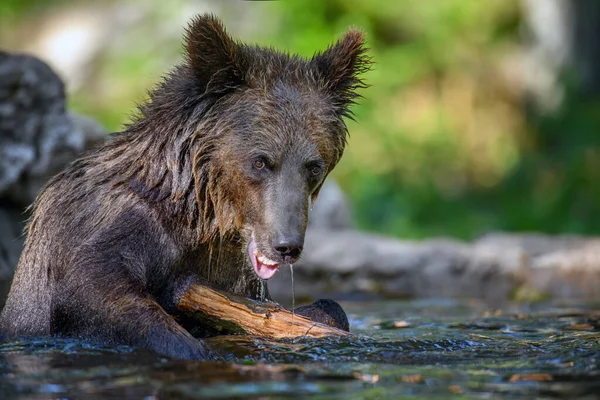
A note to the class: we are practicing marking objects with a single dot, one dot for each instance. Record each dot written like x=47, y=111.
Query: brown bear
x=210, y=183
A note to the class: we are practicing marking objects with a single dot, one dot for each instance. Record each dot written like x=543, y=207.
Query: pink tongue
x=263, y=271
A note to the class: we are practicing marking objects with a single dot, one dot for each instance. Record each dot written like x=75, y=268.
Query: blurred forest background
x=481, y=115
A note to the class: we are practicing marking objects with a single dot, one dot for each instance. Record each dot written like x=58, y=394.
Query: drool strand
x=293, y=294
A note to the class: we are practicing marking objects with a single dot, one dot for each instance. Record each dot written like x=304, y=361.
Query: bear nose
x=288, y=248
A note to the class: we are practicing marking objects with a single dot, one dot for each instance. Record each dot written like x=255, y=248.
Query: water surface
x=432, y=349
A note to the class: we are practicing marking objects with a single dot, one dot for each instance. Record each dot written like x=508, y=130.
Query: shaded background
x=481, y=115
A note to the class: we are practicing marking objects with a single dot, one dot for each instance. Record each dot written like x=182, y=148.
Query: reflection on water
x=426, y=348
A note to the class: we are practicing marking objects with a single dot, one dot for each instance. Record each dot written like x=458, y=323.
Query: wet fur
x=117, y=236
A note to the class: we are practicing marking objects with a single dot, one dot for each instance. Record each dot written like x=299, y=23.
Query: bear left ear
x=217, y=61
x=339, y=68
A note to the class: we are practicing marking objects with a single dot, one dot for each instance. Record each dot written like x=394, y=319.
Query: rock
x=534, y=244
x=11, y=240
x=37, y=136
x=568, y=273
x=331, y=210
x=496, y=268
x=37, y=139
x=349, y=261
x=94, y=134
x=562, y=266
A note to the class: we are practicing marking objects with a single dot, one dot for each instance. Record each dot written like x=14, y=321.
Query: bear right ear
x=340, y=67
x=213, y=55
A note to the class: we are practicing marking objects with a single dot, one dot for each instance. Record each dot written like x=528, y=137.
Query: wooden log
x=236, y=314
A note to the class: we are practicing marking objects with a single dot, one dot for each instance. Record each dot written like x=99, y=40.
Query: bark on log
x=239, y=315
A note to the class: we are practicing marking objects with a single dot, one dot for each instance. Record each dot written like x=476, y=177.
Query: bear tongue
x=264, y=271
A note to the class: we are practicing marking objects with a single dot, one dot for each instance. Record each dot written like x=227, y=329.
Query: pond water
x=432, y=349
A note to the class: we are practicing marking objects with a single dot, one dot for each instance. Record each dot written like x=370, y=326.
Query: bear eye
x=316, y=170
x=259, y=163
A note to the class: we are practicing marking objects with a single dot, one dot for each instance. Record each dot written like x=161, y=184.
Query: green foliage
x=12, y=10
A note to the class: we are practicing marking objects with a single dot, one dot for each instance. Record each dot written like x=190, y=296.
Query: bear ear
x=339, y=68
x=214, y=57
